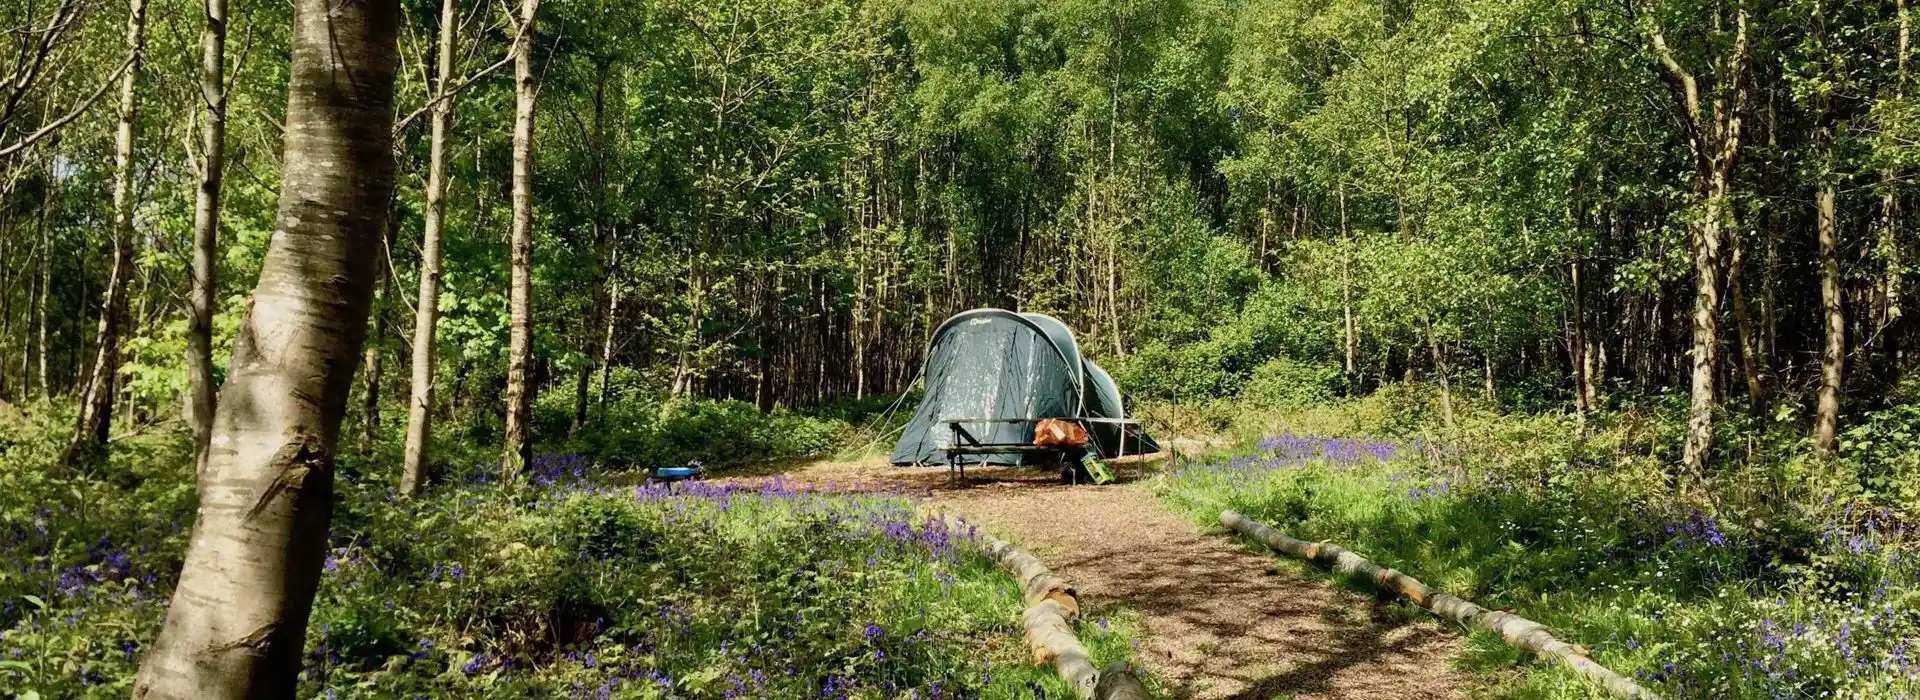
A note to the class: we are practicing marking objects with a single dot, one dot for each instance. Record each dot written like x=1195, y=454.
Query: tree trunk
x=520, y=295
x=237, y=624
x=96, y=417
x=1440, y=371
x=426, y=314
x=1889, y=230
x=1349, y=326
x=1486, y=376
x=602, y=267
x=206, y=229
x=373, y=357
x=1750, y=358
x=46, y=281
x=1113, y=291
x=1582, y=363
x=1715, y=142
x=1705, y=247
x=613, y=314
x=1826, y=412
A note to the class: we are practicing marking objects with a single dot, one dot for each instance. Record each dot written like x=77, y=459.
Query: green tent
x=994, y=363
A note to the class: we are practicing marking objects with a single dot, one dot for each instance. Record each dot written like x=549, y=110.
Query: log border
x=1518, y=632
x=1052, y=607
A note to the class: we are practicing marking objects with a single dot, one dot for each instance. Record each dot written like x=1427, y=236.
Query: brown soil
x=1221, y=622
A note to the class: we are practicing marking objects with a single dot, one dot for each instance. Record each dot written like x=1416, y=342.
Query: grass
x=569, y=587
x=1748, y=583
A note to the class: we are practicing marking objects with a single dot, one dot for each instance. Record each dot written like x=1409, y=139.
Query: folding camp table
x=964, y=443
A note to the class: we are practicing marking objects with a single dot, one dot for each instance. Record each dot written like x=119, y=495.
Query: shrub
x=1286, y=383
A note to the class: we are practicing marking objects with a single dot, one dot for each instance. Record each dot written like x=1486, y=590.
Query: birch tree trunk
x=612, y=317
x=1441, y=371
x=1826, y=410
x=1582, y=362
x=426, y=315
x=206, y=229
x=602, y=267
x=1833, y=355
x=1750, y=358
x=1715, y=141
x=96, y=413
x=519, y=295
x=238, y=620
x=373, y=363
x=1889, y=230
x=1349, y=326
x=46, y=280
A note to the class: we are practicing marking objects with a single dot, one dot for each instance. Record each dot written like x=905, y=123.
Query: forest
x=374, y=296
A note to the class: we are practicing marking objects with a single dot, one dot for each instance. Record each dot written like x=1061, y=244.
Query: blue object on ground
x=676, y=473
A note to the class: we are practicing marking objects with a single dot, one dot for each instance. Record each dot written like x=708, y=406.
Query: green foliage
x=569, y=587
x=641, y=431
x=1285, y=383
x=1746, y=584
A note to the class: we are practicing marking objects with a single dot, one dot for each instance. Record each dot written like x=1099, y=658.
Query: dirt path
x=1221, y=622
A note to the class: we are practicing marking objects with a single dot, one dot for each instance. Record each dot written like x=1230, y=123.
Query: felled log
x=1118, y=682
x=1052, y=606
x=1516, y=631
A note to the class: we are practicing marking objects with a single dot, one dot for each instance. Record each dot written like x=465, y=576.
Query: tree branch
x=56, y=125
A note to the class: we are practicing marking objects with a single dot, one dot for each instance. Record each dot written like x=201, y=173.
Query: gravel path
x=1221, y=622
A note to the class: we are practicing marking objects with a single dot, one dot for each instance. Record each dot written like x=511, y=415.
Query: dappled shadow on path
x=1222, y=622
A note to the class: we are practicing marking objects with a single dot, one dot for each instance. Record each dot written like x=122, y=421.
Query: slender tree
x=238, y=619
x=1833, y=318
x=426, y=317
x=206, y=227
x=1713, y=128
x=46, y=281
x=96, y=401
x=519, y=394
x=373, y=357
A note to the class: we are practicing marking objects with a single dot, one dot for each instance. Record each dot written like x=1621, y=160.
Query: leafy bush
x=642, y=431
x=1285, y=383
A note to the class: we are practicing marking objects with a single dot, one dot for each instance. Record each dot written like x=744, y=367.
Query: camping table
x=964, y=443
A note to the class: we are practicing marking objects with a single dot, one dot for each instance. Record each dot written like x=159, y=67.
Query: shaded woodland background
x=775, y=201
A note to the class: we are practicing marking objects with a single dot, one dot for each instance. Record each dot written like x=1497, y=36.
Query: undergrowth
x=1774, y=576
x=566, y=586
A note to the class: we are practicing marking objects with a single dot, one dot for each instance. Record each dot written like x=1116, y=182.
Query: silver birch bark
x=238, y=619
x=96, y=412
x=520, y=292
x=1833, y=354
x=426, y=317
x=206, y=228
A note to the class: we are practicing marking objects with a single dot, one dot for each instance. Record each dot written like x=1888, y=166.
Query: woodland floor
x=1220, y=621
